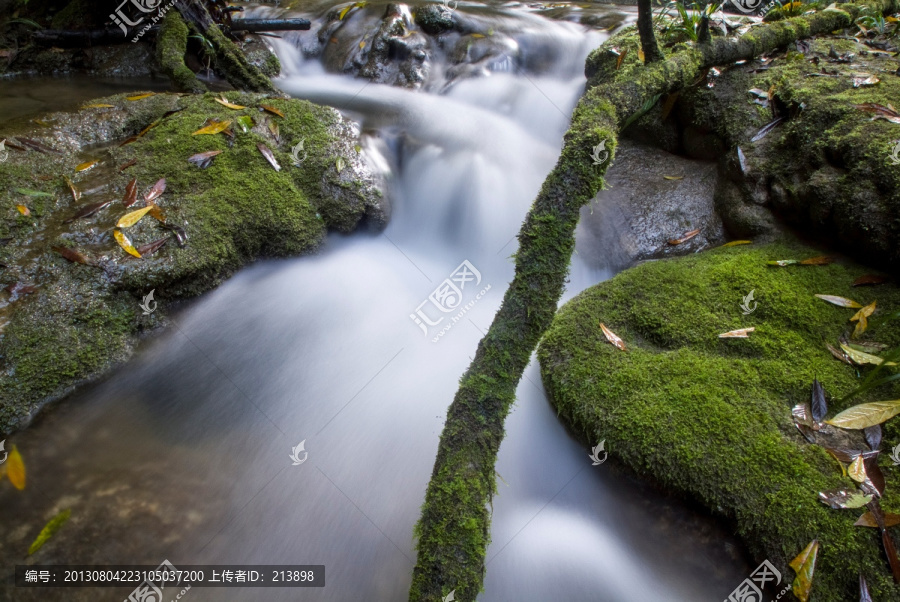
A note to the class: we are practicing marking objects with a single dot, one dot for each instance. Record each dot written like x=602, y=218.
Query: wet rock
x=477, y=54
x=641, y=210
x=608, y=21
x=435, y=19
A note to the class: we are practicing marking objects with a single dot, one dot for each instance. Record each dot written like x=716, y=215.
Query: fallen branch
x=454, y=529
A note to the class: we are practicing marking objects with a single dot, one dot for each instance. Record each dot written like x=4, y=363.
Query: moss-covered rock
x=83, y=318
x=711, y=418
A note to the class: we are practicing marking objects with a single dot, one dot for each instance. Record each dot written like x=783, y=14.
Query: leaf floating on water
x=865, y=415
x=612, y=337
x=687, y=236
x=766, y=129
x=873, y=436
x=861, y=357
x=804, y=565
x=870, y=280
x=268, y=155
x=152, y=247
x=839, y=301
x=272, y=110
x=32, y=193
x=246, y=123
x=820, y=260
x=224, y=102
x=125, y=243
x=818, y=404
x=868, y=520
x=879, y=111
x=140, y=96
x=204, y=160
x=89, y=210
x=130, y=193
x=735, y=243
x=15, y=468
x=673, y=177
x=49, y=530
x=158, y=189
x=214, y=127
x=86, y=165
x=72, y=255
x=741, y=333
x=23, y=210
x=130, y=219
x=857, y=470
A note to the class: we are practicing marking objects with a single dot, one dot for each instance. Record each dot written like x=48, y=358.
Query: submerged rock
x=82, y=318
x=710, y=418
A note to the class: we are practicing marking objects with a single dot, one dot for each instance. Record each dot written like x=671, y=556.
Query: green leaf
x=246, y=123
x=339, y=164
x=49, y=530
x=865, y=415
x=32, y=193
x=804, y=565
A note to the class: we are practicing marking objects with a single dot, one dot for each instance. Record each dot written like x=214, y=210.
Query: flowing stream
x=183, y=454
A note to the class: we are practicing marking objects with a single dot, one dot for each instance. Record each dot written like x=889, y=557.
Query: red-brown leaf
x=130, y=193
x=687, y=236
x=870, y=280
x=152, y=247
x=156, y=191
x=72, y=255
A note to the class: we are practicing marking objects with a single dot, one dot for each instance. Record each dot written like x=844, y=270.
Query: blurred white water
x=189, y=444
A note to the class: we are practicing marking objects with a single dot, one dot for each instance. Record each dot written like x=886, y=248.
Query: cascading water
x=184, y=453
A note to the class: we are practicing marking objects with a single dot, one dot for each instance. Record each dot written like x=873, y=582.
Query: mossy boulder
x=710, y=418
x=81, y=319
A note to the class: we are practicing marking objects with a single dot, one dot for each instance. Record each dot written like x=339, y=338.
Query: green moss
x=171, y=44
x=711, y=418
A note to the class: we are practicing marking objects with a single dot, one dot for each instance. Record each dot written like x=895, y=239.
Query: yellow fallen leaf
x=741, y=333
x=865, y=312
x=125, y=243
x=141, y=96
x=224, y=102
x=735, y=243
x=857, y=470
x=215, y=127
x=612, y=337
x=861, y=357
x=362, y=44
x=86, y=165
x=641, y=54
x=865, y=415
x=97, y=106
x=272, y=110
x=477, y=35
x=861, y=326
x=130, y=219
x=839, y=301
x=344, y=12
x=804, y=565
x=23, y=210
x=15, y=468
x=673, y=177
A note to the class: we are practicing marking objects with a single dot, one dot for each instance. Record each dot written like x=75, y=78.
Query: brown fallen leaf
x=741, y=333
x=128, y=140
x=152, y=247
x=272, y=110
x=870, y=280
x=148, y=128
x=89, y=210
x=158, y=189
x=687, y=236
x=125, y=243
x=820, y=260
x=868, y=520
x=839, y=301
x=19, y=289
x=76, y=194
x=127, y=164
x=130, y=193
x=156, y=212
x=37, y=146
x=612, y=337
x=879, y=111
x=204, y=160
x=839, y=355
x=268, y=155
x=72, y=255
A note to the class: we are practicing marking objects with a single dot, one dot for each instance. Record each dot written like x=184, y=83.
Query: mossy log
x=171, y=44
x=454, y=529
x=239, y=72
